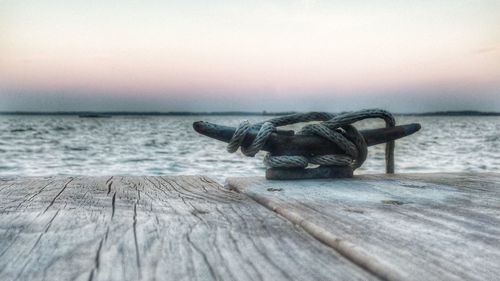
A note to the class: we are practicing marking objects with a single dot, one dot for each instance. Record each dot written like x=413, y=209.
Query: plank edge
x=348, y=250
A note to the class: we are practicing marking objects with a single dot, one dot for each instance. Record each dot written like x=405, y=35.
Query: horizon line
x=89, y=113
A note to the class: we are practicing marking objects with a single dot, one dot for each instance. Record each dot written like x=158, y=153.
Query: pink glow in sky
x=186, y=51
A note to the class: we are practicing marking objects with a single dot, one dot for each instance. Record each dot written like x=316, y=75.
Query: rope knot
x=335, y=128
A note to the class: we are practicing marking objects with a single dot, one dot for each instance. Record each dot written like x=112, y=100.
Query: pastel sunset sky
x=405, y=56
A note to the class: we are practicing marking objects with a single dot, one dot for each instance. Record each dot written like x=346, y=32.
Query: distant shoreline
x=223, y=113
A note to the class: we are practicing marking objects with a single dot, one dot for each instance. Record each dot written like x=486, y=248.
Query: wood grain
x=152, y=228
x=399, y=227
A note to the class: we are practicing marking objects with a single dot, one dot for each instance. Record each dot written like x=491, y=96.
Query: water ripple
x=167, y=145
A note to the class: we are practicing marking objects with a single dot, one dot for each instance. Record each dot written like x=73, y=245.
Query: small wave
x=139, y=160
x=76, y=148
x=63, y=128
x=17, y=130
x=492, y=138
x=154, y=143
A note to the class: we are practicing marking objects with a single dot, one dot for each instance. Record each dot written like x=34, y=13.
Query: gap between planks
x=398, y=227
x=347, y=249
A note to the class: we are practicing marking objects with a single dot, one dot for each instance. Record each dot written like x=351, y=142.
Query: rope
x=335, y=128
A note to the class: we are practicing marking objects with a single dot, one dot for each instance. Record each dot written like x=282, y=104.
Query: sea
x=48, y=145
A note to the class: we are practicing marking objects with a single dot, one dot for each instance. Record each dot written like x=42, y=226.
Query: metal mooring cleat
x=334, y=147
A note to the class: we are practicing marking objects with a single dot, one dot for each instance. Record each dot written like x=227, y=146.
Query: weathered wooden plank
x=400, y=227
x=152, y=228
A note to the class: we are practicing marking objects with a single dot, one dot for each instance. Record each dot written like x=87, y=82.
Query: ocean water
x=167, y=145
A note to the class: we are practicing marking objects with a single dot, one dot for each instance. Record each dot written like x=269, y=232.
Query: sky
x=127, y=55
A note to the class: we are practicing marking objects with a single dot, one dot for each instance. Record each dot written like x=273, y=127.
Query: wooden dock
x=377, y=227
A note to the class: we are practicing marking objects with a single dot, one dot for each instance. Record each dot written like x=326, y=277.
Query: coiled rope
x=336, y=128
